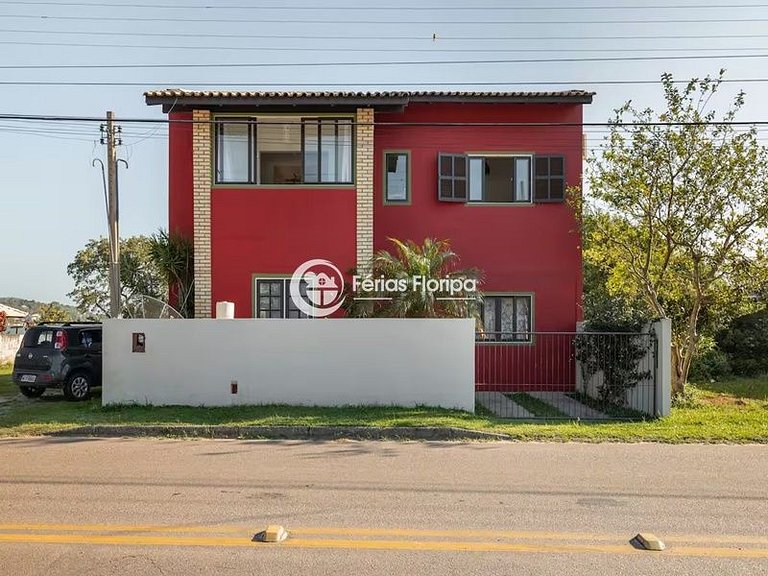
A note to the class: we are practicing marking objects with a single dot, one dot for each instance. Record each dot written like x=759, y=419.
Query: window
x=38, y=339
x=273, y=298
x=550, y=179
x=452, y=177
x=284, y=150
x=506, y=318
x=397, y=178
x=488, y=178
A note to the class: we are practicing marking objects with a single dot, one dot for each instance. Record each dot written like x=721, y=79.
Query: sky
x=51, y=197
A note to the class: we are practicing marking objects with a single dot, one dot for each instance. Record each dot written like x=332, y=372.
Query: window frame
x=530, y=340
x=385, y=178
x=253, y=165
x=548, y=178
x=452, y=177
x=530, y=156
x=284, y=306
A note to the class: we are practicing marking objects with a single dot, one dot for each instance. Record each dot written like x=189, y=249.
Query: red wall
x=180, y=199
x=272, y=231
x=529, y=248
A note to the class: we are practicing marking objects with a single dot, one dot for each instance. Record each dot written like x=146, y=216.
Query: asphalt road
x=109, y=507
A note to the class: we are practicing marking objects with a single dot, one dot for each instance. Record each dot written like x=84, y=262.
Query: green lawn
x=733, y=411
x=7, y=388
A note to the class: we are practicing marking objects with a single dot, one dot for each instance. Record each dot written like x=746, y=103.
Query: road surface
x=152, y=506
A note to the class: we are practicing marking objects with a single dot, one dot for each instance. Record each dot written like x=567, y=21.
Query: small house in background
x=14, y=317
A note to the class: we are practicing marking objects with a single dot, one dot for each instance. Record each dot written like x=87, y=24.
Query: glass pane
x=328, y=152
x=522, y=317
x=446, y=188
x=556, y=166
x=522, y=179
x=460, y=189
x=508, y=317
x=264, y=288
x=489, y=317
x=279, y=151
x=542, y=166
x=344, y=152
x=232, y=161
x=397, y=177
x=310, y=152
x=556, y=189
x=446, y=165
x=476, y=167
x=542, y=189
x=459, y=166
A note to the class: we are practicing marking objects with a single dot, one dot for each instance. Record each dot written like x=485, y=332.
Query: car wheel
x=78, y=387
x=32, y=391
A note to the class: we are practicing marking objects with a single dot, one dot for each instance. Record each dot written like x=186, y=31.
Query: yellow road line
x=412, y=545
x=372, y=532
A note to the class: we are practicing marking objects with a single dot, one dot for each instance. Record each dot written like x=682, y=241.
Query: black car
x=59, y=355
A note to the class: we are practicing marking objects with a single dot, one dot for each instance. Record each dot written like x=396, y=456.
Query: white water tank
x=225, y=310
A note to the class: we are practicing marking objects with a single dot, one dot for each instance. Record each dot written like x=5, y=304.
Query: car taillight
x=61, y=340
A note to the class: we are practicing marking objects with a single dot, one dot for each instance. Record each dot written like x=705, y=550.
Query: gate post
x=663, y=330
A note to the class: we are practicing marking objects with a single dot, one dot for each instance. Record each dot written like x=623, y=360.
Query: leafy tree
x=53, y=312
x=434, y=260
x=139, y=275
x=172, y=254
x=3, y=320
x=680, y=201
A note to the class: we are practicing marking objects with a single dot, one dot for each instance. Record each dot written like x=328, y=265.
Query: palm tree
x=173, y=255
x=432, y=260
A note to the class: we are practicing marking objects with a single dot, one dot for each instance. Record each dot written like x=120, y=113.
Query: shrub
x=710, y=363
x=745, y=342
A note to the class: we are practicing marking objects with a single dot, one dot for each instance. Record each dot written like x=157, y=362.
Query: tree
x=53, y=312
x=172, y=254
x=432, y=260
x=680, y=201
x=139, y=275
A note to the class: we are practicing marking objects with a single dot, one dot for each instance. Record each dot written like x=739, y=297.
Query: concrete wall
x=647, y=397
x=9, y=345
x=329, y=362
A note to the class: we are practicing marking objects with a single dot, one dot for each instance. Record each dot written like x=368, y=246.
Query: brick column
x=364, y=186
x=201, y=170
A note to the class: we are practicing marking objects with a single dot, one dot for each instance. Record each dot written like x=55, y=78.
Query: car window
x=38, y=339
x=90, y=338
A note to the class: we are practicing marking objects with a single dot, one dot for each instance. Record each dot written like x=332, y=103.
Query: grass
x=535, y=406
x=619, y=412
x=7, y=387
x=732, y=411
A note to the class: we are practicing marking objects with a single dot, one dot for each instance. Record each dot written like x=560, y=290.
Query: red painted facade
x=532, y=248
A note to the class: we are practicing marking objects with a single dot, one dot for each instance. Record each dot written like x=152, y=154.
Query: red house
x=264, y=181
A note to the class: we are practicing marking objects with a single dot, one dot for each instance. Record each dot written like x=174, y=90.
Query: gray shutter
x=452, y=177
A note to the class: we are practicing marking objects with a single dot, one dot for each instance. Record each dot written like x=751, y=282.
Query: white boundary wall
x=331, y=362
x=9, y=345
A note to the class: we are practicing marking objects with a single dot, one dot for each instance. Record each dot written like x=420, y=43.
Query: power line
x=349, y=49
x=368, y=37
x=376, y=22
x=352, y=121
x=385, y=8
x=380, y=63
x=423, y=85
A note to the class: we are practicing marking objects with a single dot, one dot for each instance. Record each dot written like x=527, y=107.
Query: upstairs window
x=284, y=151
x=397, y=178
x=550, y=179
x=501, y=178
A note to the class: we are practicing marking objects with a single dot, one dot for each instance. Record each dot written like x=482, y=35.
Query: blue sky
x=51, y=199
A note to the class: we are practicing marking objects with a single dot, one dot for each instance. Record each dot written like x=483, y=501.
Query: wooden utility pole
x=113, y=216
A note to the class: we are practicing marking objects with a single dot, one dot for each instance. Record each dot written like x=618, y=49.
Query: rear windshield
x=38, y=338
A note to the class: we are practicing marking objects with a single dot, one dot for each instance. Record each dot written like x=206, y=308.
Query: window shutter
x=452, y=177
x=549, y=176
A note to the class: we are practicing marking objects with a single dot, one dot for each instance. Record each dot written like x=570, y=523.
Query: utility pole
x=112, y=140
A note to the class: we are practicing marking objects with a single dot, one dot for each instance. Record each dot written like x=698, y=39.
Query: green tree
x=680, y=206
x=53, y=313
x=139, y=275
x=433, y=259
x=172, y=254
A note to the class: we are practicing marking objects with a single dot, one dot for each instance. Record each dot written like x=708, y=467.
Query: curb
x=318, y=433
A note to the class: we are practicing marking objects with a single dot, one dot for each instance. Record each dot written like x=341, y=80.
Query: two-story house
x=263, y=181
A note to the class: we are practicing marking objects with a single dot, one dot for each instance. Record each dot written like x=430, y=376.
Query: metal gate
x=567, y=375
